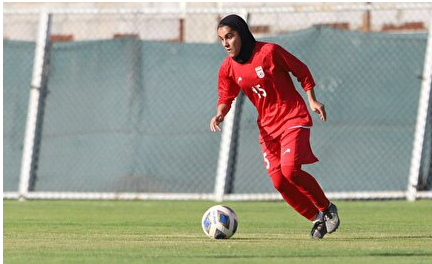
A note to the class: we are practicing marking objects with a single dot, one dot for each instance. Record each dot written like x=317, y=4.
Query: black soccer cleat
x=319, y=229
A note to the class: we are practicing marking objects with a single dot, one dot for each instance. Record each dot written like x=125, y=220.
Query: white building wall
x=161, y=20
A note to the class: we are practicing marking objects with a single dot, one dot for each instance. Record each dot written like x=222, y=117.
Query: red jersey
x=265, y=81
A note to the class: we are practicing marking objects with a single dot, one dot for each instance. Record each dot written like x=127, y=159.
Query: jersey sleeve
x=227, y=88
x=289, y=62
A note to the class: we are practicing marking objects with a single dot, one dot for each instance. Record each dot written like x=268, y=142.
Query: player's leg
x=328, y=219
x=293, y=196
x=296, y=199
x=295, y=151
x=307, y=185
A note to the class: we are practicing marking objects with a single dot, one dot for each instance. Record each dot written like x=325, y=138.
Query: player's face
x=230, y=40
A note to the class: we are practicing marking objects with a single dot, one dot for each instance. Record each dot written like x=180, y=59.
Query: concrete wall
x=266, y=19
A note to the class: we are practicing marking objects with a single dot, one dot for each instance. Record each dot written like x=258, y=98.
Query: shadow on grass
x=385, y=237
x=400, y=254
x=385, y=254
x=338, y=238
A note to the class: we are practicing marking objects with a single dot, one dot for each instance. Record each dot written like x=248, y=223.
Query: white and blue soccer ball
x=219, y=222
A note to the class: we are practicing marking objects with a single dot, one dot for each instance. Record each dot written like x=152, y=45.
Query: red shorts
x=292, y=148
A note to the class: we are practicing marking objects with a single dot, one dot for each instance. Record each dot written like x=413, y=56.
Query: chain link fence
x=371, y=98
x=131, y=93
x=17, y=71
x=18, y=55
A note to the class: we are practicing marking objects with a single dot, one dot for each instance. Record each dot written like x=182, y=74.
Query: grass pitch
x=170, y=232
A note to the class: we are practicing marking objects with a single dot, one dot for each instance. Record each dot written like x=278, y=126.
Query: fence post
x=228, y=147
x=37, y=88
x=421, y=120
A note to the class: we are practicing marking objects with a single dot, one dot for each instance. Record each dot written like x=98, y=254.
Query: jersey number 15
x=259, y=91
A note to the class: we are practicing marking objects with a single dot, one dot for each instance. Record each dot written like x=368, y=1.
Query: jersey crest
x=260, y=72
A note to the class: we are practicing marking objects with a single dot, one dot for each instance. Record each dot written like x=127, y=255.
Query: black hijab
x=247, y=39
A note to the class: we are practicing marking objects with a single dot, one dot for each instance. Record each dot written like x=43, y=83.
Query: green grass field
x=170, y=232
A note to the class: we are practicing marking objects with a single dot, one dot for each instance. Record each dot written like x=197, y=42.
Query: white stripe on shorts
x=307, y=127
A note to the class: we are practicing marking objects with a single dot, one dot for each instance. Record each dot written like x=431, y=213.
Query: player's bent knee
x=277, y=179
x=291, y=173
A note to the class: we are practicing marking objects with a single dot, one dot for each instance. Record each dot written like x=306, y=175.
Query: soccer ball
x=219, y=222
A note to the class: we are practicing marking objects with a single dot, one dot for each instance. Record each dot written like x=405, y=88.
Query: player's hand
x=319, y=108
x=215, y=121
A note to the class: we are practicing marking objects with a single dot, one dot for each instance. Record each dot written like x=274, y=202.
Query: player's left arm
x=287, y=61
x=315, y=105
x=291, y=63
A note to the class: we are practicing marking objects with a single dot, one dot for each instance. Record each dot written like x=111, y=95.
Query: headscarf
x=247, y=39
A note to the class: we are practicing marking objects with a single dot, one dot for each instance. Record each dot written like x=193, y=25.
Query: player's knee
x=291, y=173
x=277, y=179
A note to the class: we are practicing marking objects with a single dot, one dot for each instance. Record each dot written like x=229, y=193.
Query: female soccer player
x=260, y=70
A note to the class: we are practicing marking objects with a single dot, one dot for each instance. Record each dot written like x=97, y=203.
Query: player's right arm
x=222, y=111
x=228, y=90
